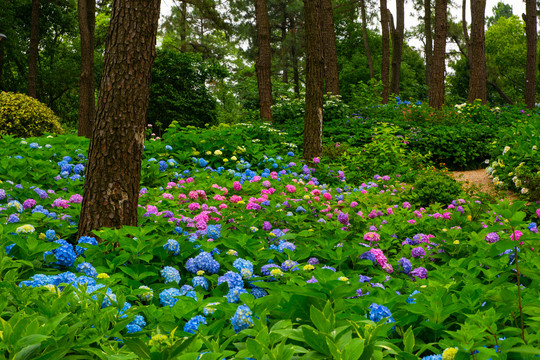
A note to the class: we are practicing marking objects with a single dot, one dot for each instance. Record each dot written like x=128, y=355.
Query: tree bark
x=385, y=61
x=397, y=46
x=294, y=56
x=477, y=53
x=264, y=60
x=505, y=97
x=331, y=73
x=366, y=43
x=428, y=49
x=33, y=54
x=464, y=24
x=530, y=74
x=436, y=88
x=313, y=119
x=183, y=29
x=285, y=75
x=111, y=187
x=87, y=101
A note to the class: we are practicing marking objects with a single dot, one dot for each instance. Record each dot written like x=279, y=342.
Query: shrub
x=434, y=186
x=23, y=116
x=292, y=109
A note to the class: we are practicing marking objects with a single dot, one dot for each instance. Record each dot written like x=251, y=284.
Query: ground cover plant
x=243, y=251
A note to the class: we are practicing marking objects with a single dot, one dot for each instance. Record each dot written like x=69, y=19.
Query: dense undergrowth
x=242, y=251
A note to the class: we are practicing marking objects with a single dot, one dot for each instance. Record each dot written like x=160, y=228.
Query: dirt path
x=481, y=179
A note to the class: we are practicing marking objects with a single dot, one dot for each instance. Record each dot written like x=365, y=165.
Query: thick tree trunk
x=111, y=187
x=313, y=120
x=331, y=73
x=436, y=88
x=428, y=48
x=183, y=29
x=397, y=46
x=264, y=60
x=530, y=74
x=365, y=36
x=385, y=61
x=477, y=53
x=87, y=101
x=33, y=54
x=464, y=24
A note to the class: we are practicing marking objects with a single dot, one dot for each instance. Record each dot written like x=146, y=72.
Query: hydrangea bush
x=258, y=257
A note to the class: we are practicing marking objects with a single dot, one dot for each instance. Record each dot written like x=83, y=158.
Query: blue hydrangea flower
x=286, y=245
x=200, y=281
x=162, y=165
x=411, y=299
x=172, y=246
x=289, y=265
x=379, y=312
x=405, y=264
x=265, y=269
x=184, y=289
x=87, y=269
x=244, y=267
x=168, y=297
x=204, y=261
x=210, y=308
x=79, y=168
x=193, y=324
x=85, y=240
x=233, y=296
x=213, y=231
x=257, y=292
x=133, y=328
x=234, y=280
x=170, y=274
x=50, y=235
x=432, y=357
x=202, y=162
x=64, y=254
x=168, y=147
x=242, y=318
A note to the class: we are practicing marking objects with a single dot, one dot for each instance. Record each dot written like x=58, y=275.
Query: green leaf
x=138, y=347
x=27, y=352
x=525, y=350
x=408, y=340
x=318, y=319
x=354, y=349
x=256, y=348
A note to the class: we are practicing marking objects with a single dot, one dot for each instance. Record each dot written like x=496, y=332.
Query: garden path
x=483, y=181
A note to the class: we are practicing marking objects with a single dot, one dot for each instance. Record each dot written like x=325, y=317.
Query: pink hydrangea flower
x=291, y=188
x=235, y=198
x=76, y=199
x=327, y=196
x=194, y=206
x=237, y=186
x=168, y=196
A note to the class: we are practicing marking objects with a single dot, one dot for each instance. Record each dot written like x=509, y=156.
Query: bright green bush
x=433, y=187
x=23, y=116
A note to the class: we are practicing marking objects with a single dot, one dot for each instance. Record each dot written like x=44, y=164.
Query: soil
x=483, y=181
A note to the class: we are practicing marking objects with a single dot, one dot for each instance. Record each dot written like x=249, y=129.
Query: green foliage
x=179, y=91
x=432, y=187
x=292, y=109
x=515, y=160
x=23, y=116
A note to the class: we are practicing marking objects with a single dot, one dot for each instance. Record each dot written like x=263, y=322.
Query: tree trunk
x=385, y=61
x=436, y=88
x=477, y=53
x=365, y=35
x=33, y=54
x=505, y=97
x=264, y=60
x=87, y=101
x=111, y=187
x=183, y=29
x=397, y=46
x=428, y=49
x=464, y=25
x=331, y=73
x=530, y=74
x=285, y=75
x=313, y=120
x=294, y=57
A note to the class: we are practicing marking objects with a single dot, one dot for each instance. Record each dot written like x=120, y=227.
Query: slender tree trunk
x=294, y=57
x=285, y=75
x=505, y=97
x=428, y=49
x=477, y=53
x=331, y=73
x=397, y=46
x=385, y=61
x=1, y=63
x=183, y=30
x=530, y=75
x=365, y=35
x=33, y=54
x=87, y=101
x=264, y=60
x=313, y=120
x=436, y=88
x=464, y=25
x=111, y=188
